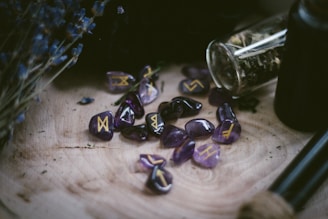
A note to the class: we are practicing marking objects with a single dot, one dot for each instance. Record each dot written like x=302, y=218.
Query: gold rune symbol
x=159, y=173
x=154, y=121
x=207, y=151
x=154, y=162
x=102, y=124
x=123, y=80
x=227, y=133
x=193, y=85
x=148, y=72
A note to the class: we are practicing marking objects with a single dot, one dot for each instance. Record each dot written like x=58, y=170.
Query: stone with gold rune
x=101, y=125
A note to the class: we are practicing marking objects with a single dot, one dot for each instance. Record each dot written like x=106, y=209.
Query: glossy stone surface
x=173, y=136
x=148, y=91
x=225, y=112
x=147, y=71
x=133, y=99
x=190, y=106
x=124, y=117
x=147, y=162
x=159, y=180
x=155, y=124
x=218, y=96
x=197, y=128
x=170, y=110
x=101, y=125
x=207, y=155
x=194, y=86
x=227, y=132
x=197, y=70
x=136, y=133
x=184, y=152
x=119, y=82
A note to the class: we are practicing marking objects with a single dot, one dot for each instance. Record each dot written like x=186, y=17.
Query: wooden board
x=54, y=168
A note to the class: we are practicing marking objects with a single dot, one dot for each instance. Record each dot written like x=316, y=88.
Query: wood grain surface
x=53, y=168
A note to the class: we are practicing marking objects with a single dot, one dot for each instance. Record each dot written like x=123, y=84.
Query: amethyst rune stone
x=196, y=128
x=190, y=106
x=194, y=86
x=159, y=180
x=198, y=70
x=173, y=136
x=148, y=91
x=147, y=162
x=147, y=72
x=207, y=155
x=136, y=133
x=184, y=152
x=229, y=128
x=170, y=110
x=101, y=125
x=155, y=123
x=133, y=99
x=124, y=116
x=219, y=96
x=119, y=82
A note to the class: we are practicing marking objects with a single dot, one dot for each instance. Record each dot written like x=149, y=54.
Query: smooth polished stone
x=219, y=96
x=225, y=112
x=207, y=155
x=101, y=125
x=136, y=132
x=119, y=82
x=170, y=111
x=124, y=116
x=197, y=128
x=194, y=86
x=184, y=152
x=190, y=106
x=155, y=123
x=227, y=132
x=173, y=136
x=147, y=162
x=147, y=71
x=148, y=91
x=133, y=99
x=197, y=70
x=160, y=180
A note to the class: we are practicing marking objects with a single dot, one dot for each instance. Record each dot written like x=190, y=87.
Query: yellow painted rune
x=227, y=133
x=123, y=80
x=207, y=151
x=148, y=72
x=160, y=173
x=193, y=85
x=154, y=161
x=155, y=122
x=102, y=124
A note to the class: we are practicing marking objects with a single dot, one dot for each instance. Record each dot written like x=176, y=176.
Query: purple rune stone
x=119, y=82
x=219, y=96
x=159, y=180
x=147, y=162
x=155, y=123
x=224, y=113
x=136, y=133
x=173, y=136
x=227, y=132
x=124, y=116
x=133, y=99
x=101, y=125
x=207, y=155
x=190, y=106
x=184, y=152
x=194, y=86
x=148, y=91
x=197, y=70
x=147, y=71
x=170, y=110
x=197, y=128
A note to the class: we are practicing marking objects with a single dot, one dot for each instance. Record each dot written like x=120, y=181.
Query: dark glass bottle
x=302, y=87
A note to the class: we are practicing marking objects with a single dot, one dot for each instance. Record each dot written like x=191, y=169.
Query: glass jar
x=250, y=58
